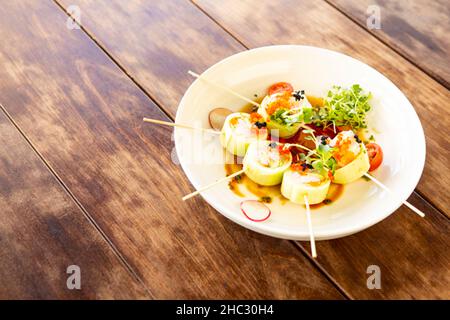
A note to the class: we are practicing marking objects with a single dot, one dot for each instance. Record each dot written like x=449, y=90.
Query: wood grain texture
x=242, y=18
x=317, y=23
x=42, y=232
x=413, y=255
x=158, y=41
x=157, y=56
x=85, y=117
x=417, y=29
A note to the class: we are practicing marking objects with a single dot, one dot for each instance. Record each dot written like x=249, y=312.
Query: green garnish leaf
x=321, y=159
x=291, y=117
x=344, y=106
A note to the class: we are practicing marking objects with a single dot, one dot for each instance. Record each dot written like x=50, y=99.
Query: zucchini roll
x=266, y=161
x=239, y=130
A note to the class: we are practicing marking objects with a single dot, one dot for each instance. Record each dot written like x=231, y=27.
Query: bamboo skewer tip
x=178, y=125
x=384, y=187
x=198, y=191
x=310, y=228
x=217, y=85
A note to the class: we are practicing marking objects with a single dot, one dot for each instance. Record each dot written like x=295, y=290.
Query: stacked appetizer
x=303, y=147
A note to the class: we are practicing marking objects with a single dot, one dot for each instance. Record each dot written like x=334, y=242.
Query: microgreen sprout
x=292, y=116
x=344, y=107
x=321, y=158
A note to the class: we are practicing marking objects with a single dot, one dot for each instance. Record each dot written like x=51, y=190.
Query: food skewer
x=217, y=85
x=374, y=180
x=196, y=75
x=193, y=194
x=178, y=125
x=311, y=234
x=267, y=177
x=382, y=186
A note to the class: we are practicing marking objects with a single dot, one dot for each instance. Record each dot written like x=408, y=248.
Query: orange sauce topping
x=341, y=153
x=282, y=102
x=297, y=167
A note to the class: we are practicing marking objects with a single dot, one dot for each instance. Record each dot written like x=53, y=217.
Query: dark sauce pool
x=264, y=193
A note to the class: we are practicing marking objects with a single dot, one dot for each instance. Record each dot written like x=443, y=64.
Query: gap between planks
x=316, y=264
x=78, y=204
x=116, y=62
x=235, y=37
x=322, y=270
x=399, y=51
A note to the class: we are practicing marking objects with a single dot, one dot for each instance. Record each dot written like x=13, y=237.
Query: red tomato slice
x=375, y=155
x=280, y=87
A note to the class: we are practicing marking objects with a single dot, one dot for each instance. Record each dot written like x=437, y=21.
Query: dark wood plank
x=413, y=255
x=166, y=38
x=85, y=117
x=417, y=29
x=42, y=232
x=242, y=20
x=173, y=38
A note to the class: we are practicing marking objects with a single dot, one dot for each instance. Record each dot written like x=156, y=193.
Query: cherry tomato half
x=280, y=87
x=375, y=155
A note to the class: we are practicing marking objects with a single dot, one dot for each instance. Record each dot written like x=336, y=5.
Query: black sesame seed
x=260, y=124
x=273, y=144
x=298, y=95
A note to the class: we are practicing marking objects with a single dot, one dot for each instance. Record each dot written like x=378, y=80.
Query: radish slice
x=255, y=210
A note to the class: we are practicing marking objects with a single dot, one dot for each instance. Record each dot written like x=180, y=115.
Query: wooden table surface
x=83, y=181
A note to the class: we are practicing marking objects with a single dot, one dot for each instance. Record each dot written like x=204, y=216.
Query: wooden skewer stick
x=196, y=75
x=298, y=146
x=382, y=186
x=193, y=194
x=311, y=234
x=171, y=124
x=224, y=88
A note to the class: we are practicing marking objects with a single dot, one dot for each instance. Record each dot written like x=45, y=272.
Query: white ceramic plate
x=363, y=204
